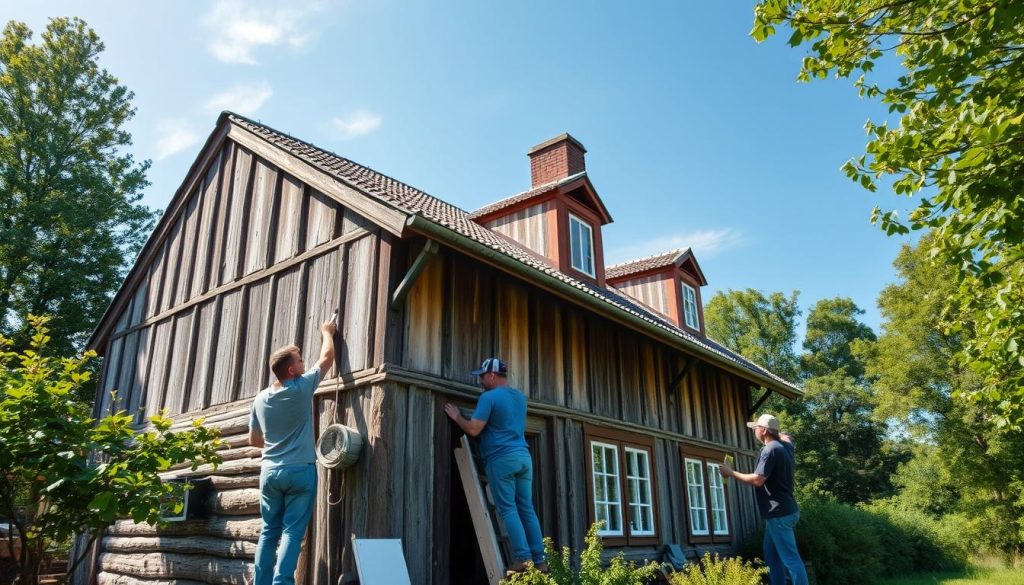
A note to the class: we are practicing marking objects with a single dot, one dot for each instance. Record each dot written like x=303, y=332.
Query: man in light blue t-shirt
x=500, y=422
x=281, y=422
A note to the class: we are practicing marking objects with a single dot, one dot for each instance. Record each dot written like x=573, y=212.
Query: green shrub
x=591, y=572
x=914, y=541
x=716, y=571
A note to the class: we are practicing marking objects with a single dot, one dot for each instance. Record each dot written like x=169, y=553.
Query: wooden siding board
x=420, y=465
x=472, y=300
x=548, y=355
x=126, y=371
x=155, y=282
x=205, y=356
x=579, y=395
x=178, y=375
x=228, y=350
x=514, y=334
x=321, y=212
x=206, y=233
x=260, y=216
x=256, y=319
x=173, y=265
x=156, y=381
x=423, y=319
x=287, y=304
x=136, y=406
x=219, y=227
x=237, y=218
x=357, y=324
x=323, y=295
x=189, y=245
x=110, y=376
x=288, y=219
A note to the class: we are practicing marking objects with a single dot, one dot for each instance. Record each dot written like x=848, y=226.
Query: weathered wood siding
x=255, y=260
x=656, y=291
x=581, y=369
x=533, y=227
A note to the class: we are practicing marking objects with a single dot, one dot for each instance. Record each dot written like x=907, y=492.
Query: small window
x=707, y=498
x=622, y=486
x=638, y=484
x=581, y=245
x=607, y=499
x=690, y=307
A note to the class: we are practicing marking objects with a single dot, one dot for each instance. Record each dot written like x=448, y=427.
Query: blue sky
x=696, y=135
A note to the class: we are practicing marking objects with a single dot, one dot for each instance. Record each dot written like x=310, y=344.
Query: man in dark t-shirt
x=773, y=485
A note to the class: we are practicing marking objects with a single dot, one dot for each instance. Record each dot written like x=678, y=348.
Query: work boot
x=518, y=567
x=543, y=568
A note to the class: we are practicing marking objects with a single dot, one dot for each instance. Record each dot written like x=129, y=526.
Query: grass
x=976, y=576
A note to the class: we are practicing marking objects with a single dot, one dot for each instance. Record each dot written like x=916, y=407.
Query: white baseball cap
x=765, y=420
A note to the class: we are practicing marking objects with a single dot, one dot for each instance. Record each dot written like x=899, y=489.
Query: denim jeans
x=780, y=553
x=511, y=481
x=286, y=503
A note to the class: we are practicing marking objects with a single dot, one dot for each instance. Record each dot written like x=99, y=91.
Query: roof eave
x=422, y=225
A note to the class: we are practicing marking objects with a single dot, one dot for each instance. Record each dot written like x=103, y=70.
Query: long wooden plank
x=260, y=216
x=288, y=219
x=485, y=535
x=206, y=233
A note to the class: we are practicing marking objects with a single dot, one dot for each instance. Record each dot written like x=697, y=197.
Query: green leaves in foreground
x=66, y=472
x=957, y=147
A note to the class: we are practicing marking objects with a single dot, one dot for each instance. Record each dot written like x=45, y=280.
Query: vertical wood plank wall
x=531, y=227
x=227, y=287
x=461, y=311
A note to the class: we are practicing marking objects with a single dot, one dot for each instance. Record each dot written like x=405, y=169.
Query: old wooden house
x=631, y=406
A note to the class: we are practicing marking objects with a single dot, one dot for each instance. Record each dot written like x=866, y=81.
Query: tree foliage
x=963, y=464
x=958, y=146
x=832, y=329
x=761, y=328
x=69, y=212
x=65, y=472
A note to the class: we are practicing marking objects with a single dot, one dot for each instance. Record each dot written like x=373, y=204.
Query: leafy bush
x=716, y=571
x=591, y=572
x=847, y=545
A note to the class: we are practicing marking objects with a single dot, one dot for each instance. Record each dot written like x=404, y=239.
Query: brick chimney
x=555, y=159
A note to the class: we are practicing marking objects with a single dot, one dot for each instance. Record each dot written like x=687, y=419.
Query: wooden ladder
x=490, y=530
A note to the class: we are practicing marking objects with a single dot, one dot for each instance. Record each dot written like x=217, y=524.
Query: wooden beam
x=362, y=203
x=681, y=375
x=759, y=402
x=410, y=277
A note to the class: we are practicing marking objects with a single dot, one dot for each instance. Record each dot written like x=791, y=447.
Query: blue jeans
x=511, y=481
x=780, y=553
x=286, y=503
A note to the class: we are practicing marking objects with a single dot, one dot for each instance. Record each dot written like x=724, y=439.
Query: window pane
x=695, y=491
x=581, y=245
x=605, y=475
x=719, y=516
x=638, y=480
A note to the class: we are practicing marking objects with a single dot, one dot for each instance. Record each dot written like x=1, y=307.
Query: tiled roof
x=413, y=201
x=538, y=190
x=643, y=264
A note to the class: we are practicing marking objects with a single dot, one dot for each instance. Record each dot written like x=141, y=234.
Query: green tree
x=69, y=212
x=958, y=146
x=66, y=473
x=962, y=462
x=760, y=328
x=832, y=328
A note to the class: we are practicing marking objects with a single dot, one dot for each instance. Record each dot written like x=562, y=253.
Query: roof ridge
x=531, y=192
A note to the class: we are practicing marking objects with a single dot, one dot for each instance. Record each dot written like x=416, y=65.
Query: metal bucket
x=338, y=447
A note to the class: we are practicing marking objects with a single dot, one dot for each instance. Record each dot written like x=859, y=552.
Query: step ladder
x=490, y=530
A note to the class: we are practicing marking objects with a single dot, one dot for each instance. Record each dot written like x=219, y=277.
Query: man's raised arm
x=327, y=331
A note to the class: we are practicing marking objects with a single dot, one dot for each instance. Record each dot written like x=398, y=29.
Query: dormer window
x=690, y=307
x=581, y=243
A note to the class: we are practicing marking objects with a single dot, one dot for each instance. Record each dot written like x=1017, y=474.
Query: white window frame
x=690, y=306
x=606, y=479
x=577, y=245
x=718, y=504
x=702, y=510
x=637, y=485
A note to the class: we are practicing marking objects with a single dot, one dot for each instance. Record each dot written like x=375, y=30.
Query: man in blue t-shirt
x=773, y=485
x=500, y=422
x=281, y=422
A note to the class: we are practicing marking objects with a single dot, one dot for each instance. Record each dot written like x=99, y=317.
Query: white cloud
x=356, y=123
x=245, y=99
x=173, y=136
x=238, y=28
x=705, y=244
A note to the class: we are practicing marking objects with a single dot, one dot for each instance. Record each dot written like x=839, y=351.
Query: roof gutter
x=424, y=226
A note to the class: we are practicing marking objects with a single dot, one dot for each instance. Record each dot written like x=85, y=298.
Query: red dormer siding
x=659, y=283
